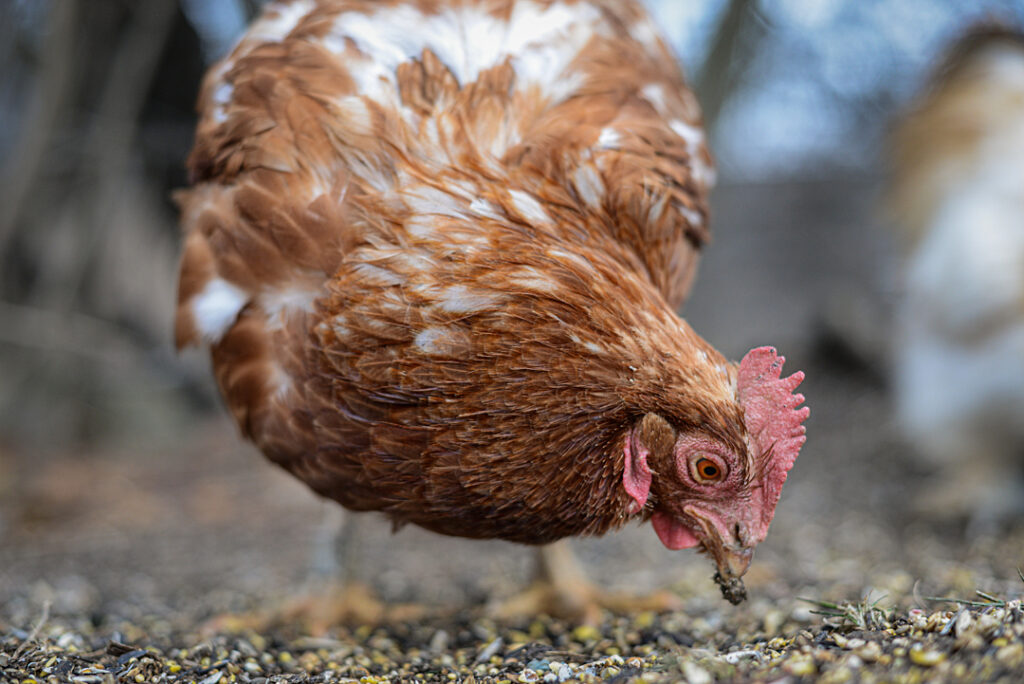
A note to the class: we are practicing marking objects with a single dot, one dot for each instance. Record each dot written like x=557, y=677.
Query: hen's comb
x=772, y=418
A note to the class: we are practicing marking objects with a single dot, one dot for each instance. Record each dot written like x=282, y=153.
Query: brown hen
x=436, y=249
x=958, y=200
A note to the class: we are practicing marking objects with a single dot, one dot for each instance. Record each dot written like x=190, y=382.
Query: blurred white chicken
x=958, y=197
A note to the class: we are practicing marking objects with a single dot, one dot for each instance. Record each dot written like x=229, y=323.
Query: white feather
x=589, y=185
x=529, y=208
x=279, y=20
x=655, y=94
x=693, y=136
x=692, y=217
x=542, y=40
x=609, y=139
x=459, y=299
x=216, y=308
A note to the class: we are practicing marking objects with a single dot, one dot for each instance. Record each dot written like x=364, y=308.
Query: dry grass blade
x=989, y=597
x=962, y=602
x=819, y=603
x=988, y=600
x=861, y=615
x=35, y=631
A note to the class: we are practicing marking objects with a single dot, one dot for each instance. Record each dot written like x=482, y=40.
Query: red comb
x=772, y=419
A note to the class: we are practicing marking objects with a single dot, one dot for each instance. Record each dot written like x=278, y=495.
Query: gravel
x=855, y=642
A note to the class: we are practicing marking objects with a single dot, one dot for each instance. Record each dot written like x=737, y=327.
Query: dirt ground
x=112, y=562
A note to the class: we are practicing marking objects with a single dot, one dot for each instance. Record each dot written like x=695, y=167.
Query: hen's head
x=714, y=486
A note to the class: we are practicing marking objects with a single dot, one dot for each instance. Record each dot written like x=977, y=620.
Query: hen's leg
x=562, y=589
x=987, y=495
x=332, y=594
x=982, y=487
x=335, y=592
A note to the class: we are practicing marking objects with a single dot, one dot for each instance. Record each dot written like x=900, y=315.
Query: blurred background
x=115, y=451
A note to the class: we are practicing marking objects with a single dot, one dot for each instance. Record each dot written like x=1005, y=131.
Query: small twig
x=917, y=594
x=951, y=622
x=35, y=631
x=489, y=650
x=1020, y=574
x=988, y=597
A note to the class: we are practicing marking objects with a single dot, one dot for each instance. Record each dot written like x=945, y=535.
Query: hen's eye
x=707, y=471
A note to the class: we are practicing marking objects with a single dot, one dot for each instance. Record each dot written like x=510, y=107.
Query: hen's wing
x=350, y=159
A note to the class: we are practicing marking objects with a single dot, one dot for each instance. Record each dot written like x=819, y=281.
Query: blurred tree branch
x=73, y=333
x=52, y=93
x=111, y=137
x=87, y=249
x=733, y=48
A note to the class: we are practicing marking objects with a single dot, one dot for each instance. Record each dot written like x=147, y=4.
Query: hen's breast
x=366, y=171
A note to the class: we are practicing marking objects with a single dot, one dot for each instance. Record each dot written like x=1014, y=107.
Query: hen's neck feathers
x=508, y=384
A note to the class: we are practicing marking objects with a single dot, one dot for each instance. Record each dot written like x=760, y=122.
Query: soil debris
x=983, y=644
x=732, y=589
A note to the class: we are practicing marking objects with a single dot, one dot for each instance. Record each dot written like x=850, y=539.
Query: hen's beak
x=732, y=563
x=732, y=559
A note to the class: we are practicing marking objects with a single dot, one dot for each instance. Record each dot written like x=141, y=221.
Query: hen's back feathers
x=375, y=182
